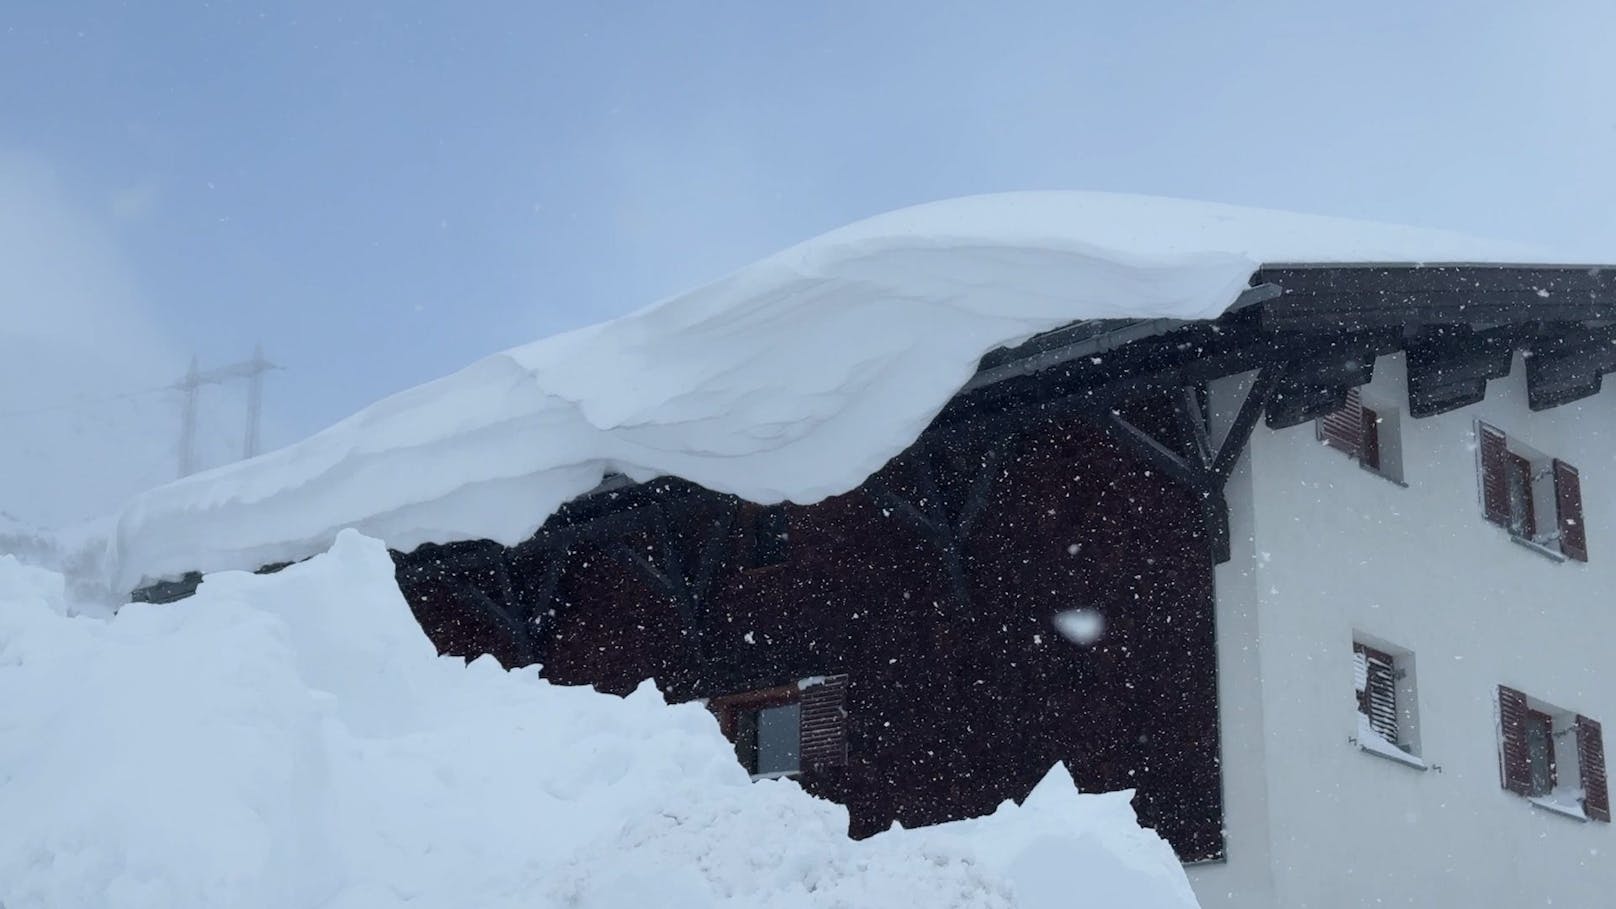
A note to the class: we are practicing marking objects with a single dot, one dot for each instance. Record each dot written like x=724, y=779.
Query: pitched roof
x=793, y=378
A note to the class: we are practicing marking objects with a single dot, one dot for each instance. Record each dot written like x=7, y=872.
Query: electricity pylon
x=253, y=371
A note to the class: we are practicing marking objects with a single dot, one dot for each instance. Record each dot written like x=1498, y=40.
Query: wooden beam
x=1400, y=309
x=1165, y=459
x=666, y=582
x=919, y=521
x=520, y=634
x=976, y=498
x=542, y=604
x=1368, y=280
x=1296, y=403
x=712, y=552
x=1245, y=420
x=1568, y=367
x=1190, y=406
x=1449, y=368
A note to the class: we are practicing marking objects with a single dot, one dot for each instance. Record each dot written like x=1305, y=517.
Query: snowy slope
x=292, y=740
x=794, y=378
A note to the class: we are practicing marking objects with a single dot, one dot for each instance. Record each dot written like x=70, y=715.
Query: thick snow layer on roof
x=794, y=378
x=292, y=740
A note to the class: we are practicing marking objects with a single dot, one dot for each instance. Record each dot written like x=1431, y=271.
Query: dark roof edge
x=1085, y=339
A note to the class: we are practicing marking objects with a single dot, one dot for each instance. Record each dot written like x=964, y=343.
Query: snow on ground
x=794, y=378
x=292, y=740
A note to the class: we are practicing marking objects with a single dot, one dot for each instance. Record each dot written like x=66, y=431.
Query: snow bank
x=794, y=378
x=292, y=740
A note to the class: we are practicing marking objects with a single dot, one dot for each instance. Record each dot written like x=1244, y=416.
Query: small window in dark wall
x=1367, y=432
x=1537, y=498
x=787, y=729
x=767, y=739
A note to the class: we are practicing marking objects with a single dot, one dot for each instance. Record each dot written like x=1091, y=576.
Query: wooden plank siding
x=956, y=699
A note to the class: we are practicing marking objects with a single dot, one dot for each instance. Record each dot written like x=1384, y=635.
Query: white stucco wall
x=1323, y=550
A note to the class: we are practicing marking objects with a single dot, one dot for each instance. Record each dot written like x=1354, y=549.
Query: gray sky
x=382, y=192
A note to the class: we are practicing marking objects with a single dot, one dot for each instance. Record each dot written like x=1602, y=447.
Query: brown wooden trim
x=1494, y=480
x=1568, y=511
x=1515, y=764
x=1591, y=763
x=726, y=707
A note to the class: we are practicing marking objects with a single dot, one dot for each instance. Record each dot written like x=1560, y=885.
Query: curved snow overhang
x=1318, y=328
x=1313, y=329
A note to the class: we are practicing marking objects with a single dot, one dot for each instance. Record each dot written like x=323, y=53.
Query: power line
x=85, y=402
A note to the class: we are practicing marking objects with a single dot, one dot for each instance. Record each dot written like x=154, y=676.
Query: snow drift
x=794, y=378
x=292, y=740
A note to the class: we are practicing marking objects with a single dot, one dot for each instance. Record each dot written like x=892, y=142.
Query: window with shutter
x=1344, y=429
x=1365, y=432
x=787, y=729
x=1553, y=757
x=1377, y=691
x=1591, y=768
x=1538, y=499
x=1383, y=684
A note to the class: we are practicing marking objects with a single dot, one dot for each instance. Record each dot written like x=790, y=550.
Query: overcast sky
x=381, y=192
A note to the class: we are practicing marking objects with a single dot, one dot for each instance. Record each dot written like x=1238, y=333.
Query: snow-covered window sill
x=1552, y=553
x=1548, y=804
x=1392, y=753
x=776, y=775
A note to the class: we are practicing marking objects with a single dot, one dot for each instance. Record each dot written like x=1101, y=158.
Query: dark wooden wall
x=961, y=693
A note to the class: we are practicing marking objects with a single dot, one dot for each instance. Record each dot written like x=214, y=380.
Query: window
x=767, y=739
x=788, y=729
x=1383, y=682
x=1538, y=499
x=1553, y=757
x=1367, y=432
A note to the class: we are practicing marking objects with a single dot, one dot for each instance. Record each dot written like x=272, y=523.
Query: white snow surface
x=292, y=740
x=793, y=378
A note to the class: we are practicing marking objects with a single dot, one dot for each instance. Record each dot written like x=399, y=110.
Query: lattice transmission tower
x=253, y=372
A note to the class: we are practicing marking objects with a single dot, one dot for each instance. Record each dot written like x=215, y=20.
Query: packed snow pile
x=292, y=740
x=794, y=378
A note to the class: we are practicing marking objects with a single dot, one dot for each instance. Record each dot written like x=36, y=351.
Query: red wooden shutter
x=1344, y=428
x=824, y=724
x=1369, y=447
x=1591, y=760
x=1494, y=474
x=1514, y=761
x=1568, y=506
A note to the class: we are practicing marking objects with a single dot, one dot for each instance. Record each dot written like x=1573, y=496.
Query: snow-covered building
x=1292, y=525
